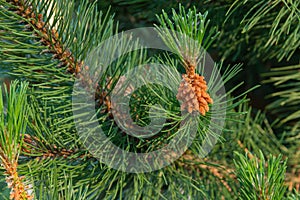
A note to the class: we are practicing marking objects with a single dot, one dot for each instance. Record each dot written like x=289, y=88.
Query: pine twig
x=220, y=172
x=13, y=180
x=251, y=156
x=30, y=143
x=50, y=38
x=292, y=179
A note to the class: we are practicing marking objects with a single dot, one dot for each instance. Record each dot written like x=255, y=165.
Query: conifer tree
x=72, y=78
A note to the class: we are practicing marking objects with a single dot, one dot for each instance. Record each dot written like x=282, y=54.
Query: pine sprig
x=260, y=178
x=276, y=21
x=185, y=34
x=51, y=64
x=286, y=80
x=13, y=123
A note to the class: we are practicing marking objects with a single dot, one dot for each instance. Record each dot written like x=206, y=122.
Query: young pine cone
x=192, y=93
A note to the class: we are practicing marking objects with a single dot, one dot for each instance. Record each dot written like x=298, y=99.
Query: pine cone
x=192, y=93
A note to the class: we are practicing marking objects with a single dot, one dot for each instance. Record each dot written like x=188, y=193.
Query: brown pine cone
x=193, y=94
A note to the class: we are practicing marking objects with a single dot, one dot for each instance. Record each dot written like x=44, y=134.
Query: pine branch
x=13, y=122
x=51, y=136
x=188, y=160
x=260, y=178
x=275, y=21
x=32, y=148
x=14, y=181
x=49, y=36
x=285, y=103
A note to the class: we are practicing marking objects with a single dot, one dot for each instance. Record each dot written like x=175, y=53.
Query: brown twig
x=13, y=180
x=31, y=143
x=221, y=172
x=292, y=180
x=251, y=156
x=50, y=38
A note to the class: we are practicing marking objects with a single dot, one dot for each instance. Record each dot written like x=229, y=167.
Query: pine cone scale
x=193, y=94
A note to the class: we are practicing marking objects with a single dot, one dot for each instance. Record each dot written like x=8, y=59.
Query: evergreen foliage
x=47, y=46
x=260, y=179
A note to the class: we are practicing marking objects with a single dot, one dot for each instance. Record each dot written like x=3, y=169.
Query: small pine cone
x=192, y=93
x=187, y=95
